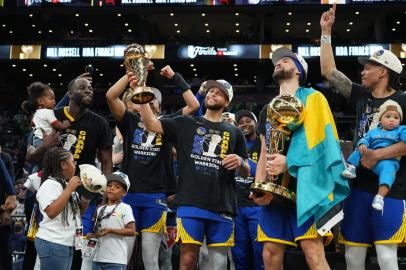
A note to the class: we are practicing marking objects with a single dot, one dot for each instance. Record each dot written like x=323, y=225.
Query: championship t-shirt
x=85, y=136
x=147, y=157
x=366, y=107
x=201, y=146
x=244, y=184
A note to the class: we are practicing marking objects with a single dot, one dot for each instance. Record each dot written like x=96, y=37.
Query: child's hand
x=362, y=148
x=104, y=231
x=73, y=183
x=66, y=124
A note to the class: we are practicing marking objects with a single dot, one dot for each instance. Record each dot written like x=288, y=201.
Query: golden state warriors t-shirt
x=147, y=157
x=85, y=136
x=201, y=146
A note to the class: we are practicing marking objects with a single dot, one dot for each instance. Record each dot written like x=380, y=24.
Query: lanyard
x=75, y=203
x=76, y=209
x=101, y=216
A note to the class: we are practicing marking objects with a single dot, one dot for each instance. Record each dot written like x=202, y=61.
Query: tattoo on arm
x=341, y=83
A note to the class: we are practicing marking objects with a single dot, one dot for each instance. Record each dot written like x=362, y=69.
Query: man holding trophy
x=299, y=167
x=147, y=155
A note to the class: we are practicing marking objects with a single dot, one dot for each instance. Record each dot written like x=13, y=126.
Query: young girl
x=59, y=205
x=114, y=221
x=42, y=101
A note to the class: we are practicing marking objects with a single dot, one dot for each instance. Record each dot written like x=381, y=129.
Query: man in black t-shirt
x=362, y=224
x=209, y=151
x=148, y=163
x=247, y=250
x=88, y=137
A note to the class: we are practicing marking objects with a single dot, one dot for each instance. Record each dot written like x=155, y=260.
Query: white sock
x=150, y=250
x=387, y=256
x=218, y=257
x=355, y=257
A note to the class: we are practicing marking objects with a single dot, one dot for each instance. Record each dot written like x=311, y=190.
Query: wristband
x=180, y=82
x=325, y=39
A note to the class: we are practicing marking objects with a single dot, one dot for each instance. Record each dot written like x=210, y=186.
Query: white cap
x=285, y=52
x=223, y=85
x=230, y=115
x=385, y=58
x=92, y=178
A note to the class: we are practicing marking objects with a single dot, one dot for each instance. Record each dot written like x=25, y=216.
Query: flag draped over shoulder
x=314, y=159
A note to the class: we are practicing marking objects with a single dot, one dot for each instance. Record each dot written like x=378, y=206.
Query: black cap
x=240, y=114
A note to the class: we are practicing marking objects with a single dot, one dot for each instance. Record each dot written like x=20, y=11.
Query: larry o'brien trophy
x=285, y=114
x=136, y=61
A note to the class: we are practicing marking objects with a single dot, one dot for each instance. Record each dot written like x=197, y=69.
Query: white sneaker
x=378, y=203
x=349, y=172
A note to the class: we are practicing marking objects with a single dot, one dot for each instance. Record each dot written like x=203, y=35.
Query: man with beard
x=88, y=136
x=363, y=225
x=247, y=250
x=209, y=151
x=302, y=158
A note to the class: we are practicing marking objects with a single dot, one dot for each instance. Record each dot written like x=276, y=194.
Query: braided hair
x=393, y=80
x=35, y=90
x=52, y=170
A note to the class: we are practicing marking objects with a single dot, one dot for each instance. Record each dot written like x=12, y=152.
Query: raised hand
x=167, y=72
x=202, y=89
x=328, y=18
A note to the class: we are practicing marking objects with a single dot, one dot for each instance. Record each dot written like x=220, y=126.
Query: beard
x=213, y=107
x=283, y=74
x=81, y=103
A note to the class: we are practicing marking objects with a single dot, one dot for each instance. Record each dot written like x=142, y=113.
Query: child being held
x=386, y=133
x=41, y=100
x=114, y=221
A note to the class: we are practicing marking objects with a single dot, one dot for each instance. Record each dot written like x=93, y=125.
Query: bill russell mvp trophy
x=285, y=113
x=136, y=61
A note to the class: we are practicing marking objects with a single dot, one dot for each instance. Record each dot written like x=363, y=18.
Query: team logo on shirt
x=73, y=139
x=201, y=131
x=146, y=145
x=209, y=149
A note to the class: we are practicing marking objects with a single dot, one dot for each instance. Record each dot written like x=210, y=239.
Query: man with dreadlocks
x=59, y=205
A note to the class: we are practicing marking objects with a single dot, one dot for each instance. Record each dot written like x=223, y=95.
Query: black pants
x=6, y=258
x=30, y=255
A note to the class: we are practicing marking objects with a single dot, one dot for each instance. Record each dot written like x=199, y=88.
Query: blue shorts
x=218, y=231
x=363, y=225
x=149, y=211
x=279, y=224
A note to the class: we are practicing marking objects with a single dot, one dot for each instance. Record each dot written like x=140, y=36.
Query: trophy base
x=142, y=95
x=281, y=195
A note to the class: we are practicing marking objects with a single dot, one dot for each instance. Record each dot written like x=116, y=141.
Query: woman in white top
x=59, y=205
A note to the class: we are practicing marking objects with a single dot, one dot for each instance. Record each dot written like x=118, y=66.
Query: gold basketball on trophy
x=136, y=61
x=285, y=114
